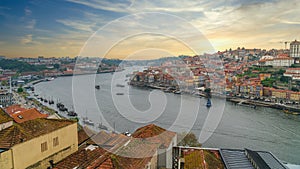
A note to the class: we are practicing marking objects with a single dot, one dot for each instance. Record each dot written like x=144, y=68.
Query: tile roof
x=84, y=134
x=4, y=117
x=13, y=109
x=82, y=158
x=19, y=133
x=155, y=134
x=29, y=114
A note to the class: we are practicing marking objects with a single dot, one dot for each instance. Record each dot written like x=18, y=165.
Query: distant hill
x=19, y=66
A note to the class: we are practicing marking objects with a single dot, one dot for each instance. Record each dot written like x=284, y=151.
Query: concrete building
x=5, y=98
x=294, y=73
x=37, y=143
x=295, y=49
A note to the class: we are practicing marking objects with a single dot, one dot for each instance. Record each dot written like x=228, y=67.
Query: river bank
x=237, y=100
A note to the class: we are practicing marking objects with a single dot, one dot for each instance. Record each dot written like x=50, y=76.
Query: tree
x=268, y=82
x=56, y=66
x=188, y=139
x=208, y=92
x=20, y=90
x=4, y=83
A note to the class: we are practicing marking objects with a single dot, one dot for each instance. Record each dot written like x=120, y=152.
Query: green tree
x=188, y=139
x=208, y=92
x=20, y=90
x=4, y=83
x=56, y=66
x=295, y=89
x=268, y=82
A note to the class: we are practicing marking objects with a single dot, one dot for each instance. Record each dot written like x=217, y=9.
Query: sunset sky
x=57, y=28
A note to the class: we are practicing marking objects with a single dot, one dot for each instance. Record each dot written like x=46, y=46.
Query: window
x=55, y=141
x=44, y=147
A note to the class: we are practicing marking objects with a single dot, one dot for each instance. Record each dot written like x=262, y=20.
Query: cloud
x=77, y=24
x=31, y=24
x=26, y=40
x=27, y=11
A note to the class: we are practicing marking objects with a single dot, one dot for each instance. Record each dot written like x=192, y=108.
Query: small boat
x=88, y=121
x=72, y=113
x=45, y=100
x=120, y=85
x=62, y=109
x=290, y=112
x=49, y=79
x=177, y=92
x=97, y=87
x=58, y=105
x=119, y=93
x=102, y=127
x=208, y=104
x=51, y=102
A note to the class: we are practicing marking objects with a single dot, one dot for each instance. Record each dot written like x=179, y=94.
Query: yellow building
x=34, y=143
x=295, y=96
x=279, y=94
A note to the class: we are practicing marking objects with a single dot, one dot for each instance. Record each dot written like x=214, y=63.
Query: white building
x=5, y=98
x=294, y=49
x=294, y=73
x=277, y=62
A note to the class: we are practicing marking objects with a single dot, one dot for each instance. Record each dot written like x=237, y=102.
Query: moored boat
x=208, y=103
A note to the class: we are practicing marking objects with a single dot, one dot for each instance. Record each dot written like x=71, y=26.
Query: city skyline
x=61, y=28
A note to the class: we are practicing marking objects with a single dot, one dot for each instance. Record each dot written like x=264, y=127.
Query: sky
x=142, y=28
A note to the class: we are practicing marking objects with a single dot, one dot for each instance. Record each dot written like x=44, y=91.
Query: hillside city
x=253, y=77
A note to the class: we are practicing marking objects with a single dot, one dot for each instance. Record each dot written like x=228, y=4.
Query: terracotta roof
x=82, y=158
x=13, y=109
x=19, y=133
x=84, y=134
x=29, y=114
x=155, y=134
x=4, y=117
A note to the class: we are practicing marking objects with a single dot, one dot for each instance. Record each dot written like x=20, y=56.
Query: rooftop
x=82, y=158
x=155, y=134
x=4, y=117
x=19, y=133
x=13, y=109
x=29, y=114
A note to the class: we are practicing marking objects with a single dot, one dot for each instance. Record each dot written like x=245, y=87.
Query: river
x=239, y=127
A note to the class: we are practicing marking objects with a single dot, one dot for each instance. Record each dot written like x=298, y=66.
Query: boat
x=120, y=85
x=290, y=112
x=119, y=93
x=102, y=127
x=97, y=87
x=88, y=122
x=50, y=79
x=177, y=92
x=51, y=102
x=61, y=107
x=208, y=104
x=72, y=113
